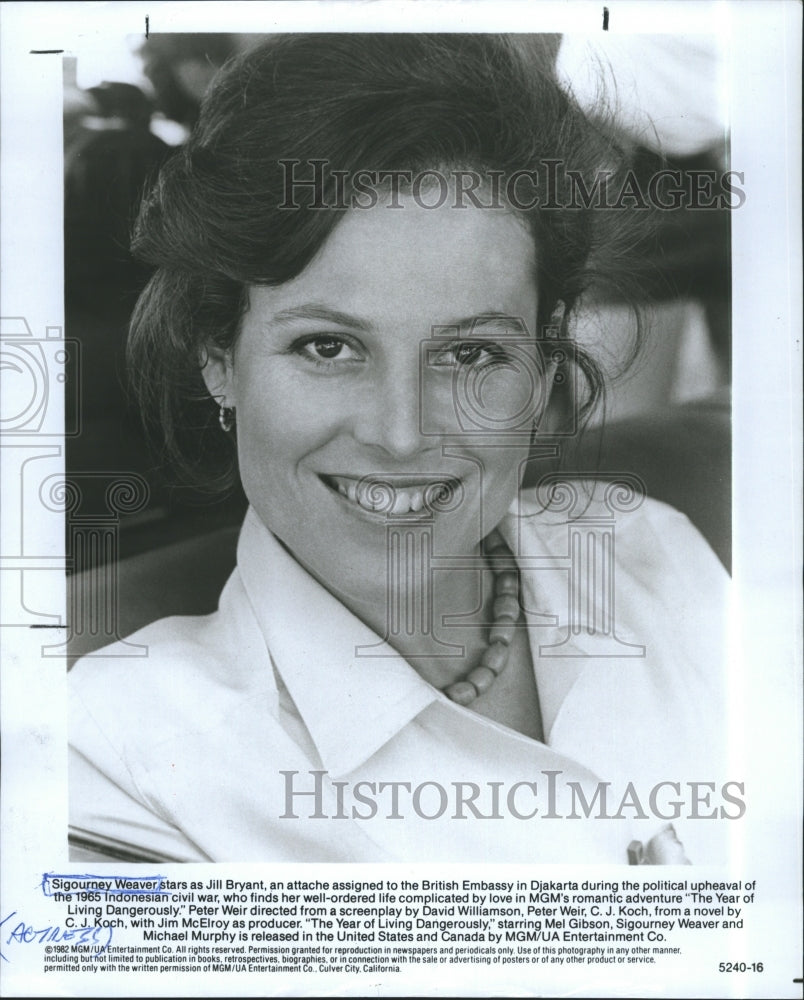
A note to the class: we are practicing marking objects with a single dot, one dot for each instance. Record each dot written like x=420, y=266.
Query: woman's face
x=403, y=354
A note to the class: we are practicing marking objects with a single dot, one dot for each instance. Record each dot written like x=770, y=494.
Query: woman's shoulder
x=145, y=674
x=670, y=590
x=166, y=660
x=648, y=535
x=558, y=500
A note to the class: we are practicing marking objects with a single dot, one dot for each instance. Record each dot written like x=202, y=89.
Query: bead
x=495, y=658
x=502, y=562
x=506, y=582
x=495, y=543
x=506, y=611
x=482, y=678
x=462, y=692
x=506, y=606
x=502, y=632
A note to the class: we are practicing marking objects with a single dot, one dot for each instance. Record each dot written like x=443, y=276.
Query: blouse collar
x=351, y=703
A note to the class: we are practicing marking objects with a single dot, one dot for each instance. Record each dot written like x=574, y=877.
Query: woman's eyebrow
x=499, y=321
x=322, y=313
x=481, y=322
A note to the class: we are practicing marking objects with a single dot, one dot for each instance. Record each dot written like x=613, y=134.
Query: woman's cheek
x=283, y=413
x=502, y=480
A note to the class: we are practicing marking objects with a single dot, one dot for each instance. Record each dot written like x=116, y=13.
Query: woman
x=368, y=257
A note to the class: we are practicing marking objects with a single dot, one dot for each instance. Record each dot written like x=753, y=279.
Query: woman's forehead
x=467, y=261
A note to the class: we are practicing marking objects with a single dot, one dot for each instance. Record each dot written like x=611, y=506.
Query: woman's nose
x=388, y=415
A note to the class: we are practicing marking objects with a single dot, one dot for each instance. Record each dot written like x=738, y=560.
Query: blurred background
x=127, y=108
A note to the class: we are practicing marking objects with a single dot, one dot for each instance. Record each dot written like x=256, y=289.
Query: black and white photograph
x=401, y=490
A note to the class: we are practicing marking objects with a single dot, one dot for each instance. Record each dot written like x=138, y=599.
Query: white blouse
x=269, y=731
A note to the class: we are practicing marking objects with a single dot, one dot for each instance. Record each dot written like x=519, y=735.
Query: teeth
x=406, y=500
x=401, y=503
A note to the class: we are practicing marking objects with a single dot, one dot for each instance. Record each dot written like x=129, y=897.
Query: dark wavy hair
x=212, y=224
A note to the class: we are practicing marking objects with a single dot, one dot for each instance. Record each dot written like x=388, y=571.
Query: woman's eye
x=469, y=352
x=327, y=349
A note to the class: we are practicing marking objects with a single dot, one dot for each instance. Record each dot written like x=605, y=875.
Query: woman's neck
x=437, y=620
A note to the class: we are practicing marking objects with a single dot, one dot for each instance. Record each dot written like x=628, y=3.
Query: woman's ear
x=552, y=374
x=548, y=380
x=552, y=334
x=217, y=370
x=558, y=319
x=558, y=331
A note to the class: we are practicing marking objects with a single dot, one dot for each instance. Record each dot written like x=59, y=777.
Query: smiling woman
x=326, y=379
x=368, y=258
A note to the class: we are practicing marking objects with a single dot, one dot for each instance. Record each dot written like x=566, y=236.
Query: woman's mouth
x=396, y=495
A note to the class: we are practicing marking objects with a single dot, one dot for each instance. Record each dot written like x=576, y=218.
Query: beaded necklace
x=507, y=612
